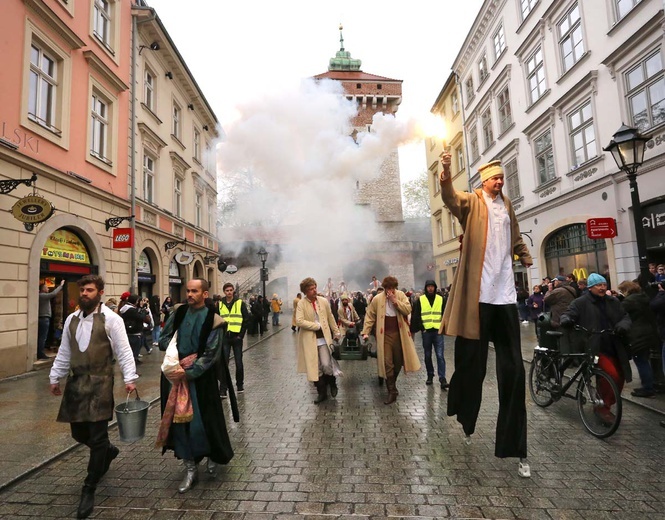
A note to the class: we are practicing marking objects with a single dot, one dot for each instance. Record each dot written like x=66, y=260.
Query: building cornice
x=151, y=136
x=477, y=35
x=104, y=71
x=42, y=10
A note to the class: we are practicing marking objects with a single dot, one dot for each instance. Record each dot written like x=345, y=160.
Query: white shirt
x=497, y=285
x=115, y=330
x=390, y=309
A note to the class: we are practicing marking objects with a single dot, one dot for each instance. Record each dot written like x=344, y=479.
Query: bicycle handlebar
x=604, y=331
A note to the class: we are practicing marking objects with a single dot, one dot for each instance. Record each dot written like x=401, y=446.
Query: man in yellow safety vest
x=235, y=312
x=426, y=318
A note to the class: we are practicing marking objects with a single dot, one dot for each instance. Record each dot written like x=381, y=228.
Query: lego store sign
x=123, y=238
x=65, y=246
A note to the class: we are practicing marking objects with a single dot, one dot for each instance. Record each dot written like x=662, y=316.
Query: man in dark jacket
x=133, y=324
x=234, y=311
x=426, y=318
x=595, y=311
x=559, y=296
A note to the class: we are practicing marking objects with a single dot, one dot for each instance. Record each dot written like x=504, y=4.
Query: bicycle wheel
x=599, y=403
x=542, y=378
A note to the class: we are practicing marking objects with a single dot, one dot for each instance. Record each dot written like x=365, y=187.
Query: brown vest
x=88, y=396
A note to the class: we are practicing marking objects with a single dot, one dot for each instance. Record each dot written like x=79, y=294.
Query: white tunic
x=497, y=284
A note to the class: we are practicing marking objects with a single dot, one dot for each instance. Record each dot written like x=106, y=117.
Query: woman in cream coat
x=395, y=348
x=316, y=322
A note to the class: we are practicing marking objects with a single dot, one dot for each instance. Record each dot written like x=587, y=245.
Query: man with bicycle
x=482, y=307
x=595, y=311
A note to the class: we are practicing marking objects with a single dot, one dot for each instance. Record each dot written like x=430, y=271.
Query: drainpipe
x=132, y=150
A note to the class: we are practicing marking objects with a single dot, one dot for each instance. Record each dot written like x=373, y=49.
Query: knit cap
x=595, y=279
x=489, y=170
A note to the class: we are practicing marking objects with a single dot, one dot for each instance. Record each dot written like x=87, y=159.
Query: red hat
x=125, y=295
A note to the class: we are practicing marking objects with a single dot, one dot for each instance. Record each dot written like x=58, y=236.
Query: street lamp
x=627, y=148
x=263, y=256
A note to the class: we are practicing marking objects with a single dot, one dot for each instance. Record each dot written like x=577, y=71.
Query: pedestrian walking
x=44, y=321
x=296, y=301
x=387, y=313
x=536, y=305
x=276, y=308
x=91, y=337
x=233, y=310
x=195, y=333
x=426, y=319
x=560, y=294
x=317, y=329
x=134, y=321
x=482, y=306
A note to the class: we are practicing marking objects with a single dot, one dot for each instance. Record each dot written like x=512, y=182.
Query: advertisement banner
x=123, y=238
x=65, y=246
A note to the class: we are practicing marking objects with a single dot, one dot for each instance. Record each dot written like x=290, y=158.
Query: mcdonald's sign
x=580, y=272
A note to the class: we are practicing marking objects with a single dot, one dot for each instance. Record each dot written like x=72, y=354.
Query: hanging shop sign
x=32, y=209
x=184, y=258
x=123, y=238
x=65, y=246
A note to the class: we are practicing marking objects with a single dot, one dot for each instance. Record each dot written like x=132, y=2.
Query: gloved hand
x=621, y=329
x=565, y=322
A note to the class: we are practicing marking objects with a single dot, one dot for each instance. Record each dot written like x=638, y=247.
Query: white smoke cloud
x=304, y=167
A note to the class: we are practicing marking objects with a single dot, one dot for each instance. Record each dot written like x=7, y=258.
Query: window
x=482, y=69
x=197, y=145
x=177, y=116
x=453, y=228
x=439, y=231
x=488, y=135
x=102, y=21
x=544, y=157
x=99, y=127
x=454, y=102
x=211, y=217
x=435, y=180
x=624, y=7
x=535, y=74
x=469, y=88
x=499, y=42
x=149, y=93
x=505, y=114
x=527, y=6
x=208, y=157
x=460, y=158
x=582, y=134
x=148, y=178
x=645, y=85
x=177, y=199
x=475, y=151
x=198, y=205
x=43, y=85
x=570, y=38
x=512, y=180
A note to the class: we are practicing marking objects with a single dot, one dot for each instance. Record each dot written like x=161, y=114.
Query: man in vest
x=426, y=318
x=234, y=311
x=91, y=338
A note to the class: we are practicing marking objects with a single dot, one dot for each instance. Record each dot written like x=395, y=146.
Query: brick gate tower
x=372, y=94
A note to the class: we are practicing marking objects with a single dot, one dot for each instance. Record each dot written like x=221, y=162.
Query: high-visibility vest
x=232, y=317
x=430, y=315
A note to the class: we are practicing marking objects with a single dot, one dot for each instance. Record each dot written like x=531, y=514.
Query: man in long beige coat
x=296, y=301
x=316, y=322
x=482, y=306
x=388, y=313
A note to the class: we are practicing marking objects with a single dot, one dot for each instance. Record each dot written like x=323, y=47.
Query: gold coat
x=461, y=316
x=376, y=314
x=308, y=352
x=296, y=301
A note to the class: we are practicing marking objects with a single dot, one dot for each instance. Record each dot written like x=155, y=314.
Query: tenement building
x=544, y=86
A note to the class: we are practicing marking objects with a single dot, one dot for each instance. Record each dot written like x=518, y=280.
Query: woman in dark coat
x=535, y=306
x=643, y=334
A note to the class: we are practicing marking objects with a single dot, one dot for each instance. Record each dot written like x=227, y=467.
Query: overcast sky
x=240, y=50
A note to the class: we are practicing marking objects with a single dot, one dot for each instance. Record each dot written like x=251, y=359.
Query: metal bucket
x=132, y=417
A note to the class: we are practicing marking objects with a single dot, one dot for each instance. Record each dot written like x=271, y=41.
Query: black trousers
x=95, y=435
x=499, y=324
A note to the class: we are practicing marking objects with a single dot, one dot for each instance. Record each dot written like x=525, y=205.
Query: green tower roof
x=343, y=59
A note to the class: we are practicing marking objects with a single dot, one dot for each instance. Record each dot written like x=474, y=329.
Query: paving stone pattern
x=354, y=457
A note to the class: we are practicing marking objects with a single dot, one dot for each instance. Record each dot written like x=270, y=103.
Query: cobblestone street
x=353, y=457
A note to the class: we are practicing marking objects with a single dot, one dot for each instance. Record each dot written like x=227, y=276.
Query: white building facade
x=545, y=85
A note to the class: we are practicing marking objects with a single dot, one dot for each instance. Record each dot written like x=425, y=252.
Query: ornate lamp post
x=263, y=256
x=627, y=148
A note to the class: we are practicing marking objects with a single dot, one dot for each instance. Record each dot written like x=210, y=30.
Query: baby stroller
x=350, y=347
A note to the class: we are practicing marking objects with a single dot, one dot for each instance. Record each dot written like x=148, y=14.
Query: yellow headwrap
x=489, y=170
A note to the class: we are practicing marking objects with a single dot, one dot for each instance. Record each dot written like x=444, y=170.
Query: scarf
x=178, y=407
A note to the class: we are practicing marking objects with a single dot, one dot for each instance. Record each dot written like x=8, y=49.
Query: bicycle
x=598, y=397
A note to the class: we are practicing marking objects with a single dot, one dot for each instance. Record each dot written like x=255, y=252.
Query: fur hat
x=489, y=170
x=595, y=279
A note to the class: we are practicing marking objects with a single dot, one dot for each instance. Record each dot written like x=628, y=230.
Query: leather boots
x=333, y=386
x=322, y=388
x=191, y=476
x=392, y=390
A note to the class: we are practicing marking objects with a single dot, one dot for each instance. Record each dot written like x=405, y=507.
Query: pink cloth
x=178, y=407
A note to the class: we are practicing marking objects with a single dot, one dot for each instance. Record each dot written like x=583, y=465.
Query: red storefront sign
x=123, y=238
x=604, y=227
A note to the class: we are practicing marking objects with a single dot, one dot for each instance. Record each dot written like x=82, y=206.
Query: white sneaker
x=467, y=440
x=523, y=470
x=525, y=322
